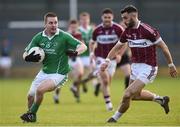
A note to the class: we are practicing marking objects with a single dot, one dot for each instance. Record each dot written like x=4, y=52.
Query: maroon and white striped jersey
x=142, y=41
x=106, y=38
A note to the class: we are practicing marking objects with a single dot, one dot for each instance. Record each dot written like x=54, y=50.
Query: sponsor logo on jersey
x=139, y=43
x=106, y=39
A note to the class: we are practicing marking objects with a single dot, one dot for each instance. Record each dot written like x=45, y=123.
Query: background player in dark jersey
x=105, y=36
x=75, y=63
x=142, y=40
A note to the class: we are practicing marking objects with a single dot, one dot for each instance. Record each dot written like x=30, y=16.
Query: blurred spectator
x=5, y=55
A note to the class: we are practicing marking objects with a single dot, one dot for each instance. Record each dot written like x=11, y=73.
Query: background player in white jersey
x=105, y=36
x=75, y=63
x=57, y=45
x=142, y=40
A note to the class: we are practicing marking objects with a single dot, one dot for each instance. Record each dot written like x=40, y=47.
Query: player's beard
x=107, y=24
x=131, y=23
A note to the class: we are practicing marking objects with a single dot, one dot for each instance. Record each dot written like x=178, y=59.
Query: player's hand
x=71, y=53
x=33, y=58
x=173, y=71
x=104, y=65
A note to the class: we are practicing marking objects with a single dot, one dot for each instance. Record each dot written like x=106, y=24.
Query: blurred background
x=22, y=19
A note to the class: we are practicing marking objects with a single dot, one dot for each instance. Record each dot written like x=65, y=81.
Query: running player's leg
x=77, y=73
x=126, y=69
x=56, y=95
x=105, y=82
x=86, y=65
x=42, y=84
x=45, y=86
x=133, y=89
x=105, y=79
x=141, y=74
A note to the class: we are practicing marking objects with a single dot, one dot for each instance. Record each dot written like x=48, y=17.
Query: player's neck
x=85, y=26
x=49, y=34
x=136, y=24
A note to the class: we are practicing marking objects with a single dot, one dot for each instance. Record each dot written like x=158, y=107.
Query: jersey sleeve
x=72, y=42
x=154, y=36
x=34, y=42
x=123, y=38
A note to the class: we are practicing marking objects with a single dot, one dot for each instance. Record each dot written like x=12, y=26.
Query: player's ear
x=112, y=17
x=45, y=24
x=102, y=17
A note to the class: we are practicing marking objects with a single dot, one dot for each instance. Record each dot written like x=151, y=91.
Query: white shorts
x=143, y=72
x=5, y=62
x=75, y=64
x=77, y=67
x=111, y=68
x=58, y=80
x=85, y=60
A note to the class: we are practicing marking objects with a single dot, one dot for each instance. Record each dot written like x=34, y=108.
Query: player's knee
x=39, y=91
x=29, y=97
x=127, y=95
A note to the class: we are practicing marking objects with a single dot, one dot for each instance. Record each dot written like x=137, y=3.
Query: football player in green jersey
x=86, y=30
x=57, y=45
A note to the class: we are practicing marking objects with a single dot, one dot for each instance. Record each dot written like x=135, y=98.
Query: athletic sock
x=109, y=105
x=158, y=99
x=34, y=108
x=117, y=115
x=56, y=96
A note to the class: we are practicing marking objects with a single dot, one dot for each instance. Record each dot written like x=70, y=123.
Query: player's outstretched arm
x=112, y=54
x=116, y=49
x=167, y=54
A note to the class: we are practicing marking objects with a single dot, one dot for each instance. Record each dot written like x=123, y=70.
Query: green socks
x=34, y=108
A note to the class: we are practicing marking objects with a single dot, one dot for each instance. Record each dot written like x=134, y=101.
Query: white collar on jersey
x=85, y=30
x=44, y=34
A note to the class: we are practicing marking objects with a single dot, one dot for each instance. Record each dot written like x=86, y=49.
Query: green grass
x=91, y=111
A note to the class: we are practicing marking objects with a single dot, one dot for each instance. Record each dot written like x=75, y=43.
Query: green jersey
x=86, y=36
x=55, y=47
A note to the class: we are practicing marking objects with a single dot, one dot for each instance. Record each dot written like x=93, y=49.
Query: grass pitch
x=91, y=111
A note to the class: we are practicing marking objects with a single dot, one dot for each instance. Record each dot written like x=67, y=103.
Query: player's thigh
x=135, y=87
x=104, y=76
x=46, y=86
x=77, y=70
x=85, y=61
x=126, y=69
x=36, y=82
x=112, y=68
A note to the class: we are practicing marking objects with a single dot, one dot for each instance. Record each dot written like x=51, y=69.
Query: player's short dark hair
x=73, y=21
x=49, y=14
x=129, y=9
x=107, y=11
